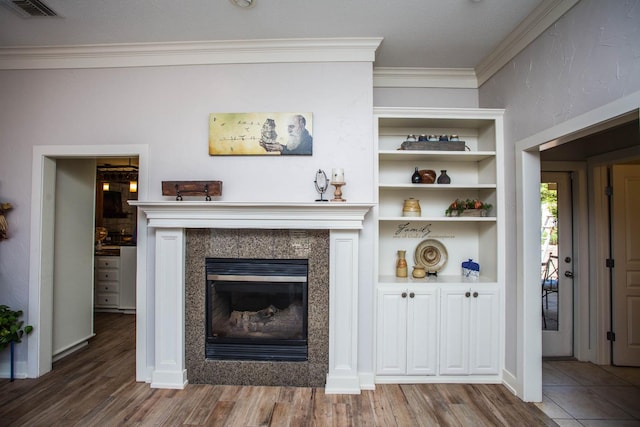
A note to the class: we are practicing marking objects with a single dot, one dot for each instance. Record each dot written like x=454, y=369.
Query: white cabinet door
x=422, y=329
x=485, y=331
x=454, y=335
x=470, y=337
x=392, y=333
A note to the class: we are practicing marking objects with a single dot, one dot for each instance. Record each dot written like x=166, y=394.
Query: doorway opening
x=52, y=164
x=553, y=150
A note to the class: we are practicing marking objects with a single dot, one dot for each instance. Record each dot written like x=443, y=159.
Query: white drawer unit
x=115, y=281
x=107, y=281
x=108, y=262
x=106, y=300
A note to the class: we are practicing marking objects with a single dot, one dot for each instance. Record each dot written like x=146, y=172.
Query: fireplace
x=256, y=309
x=171, y=327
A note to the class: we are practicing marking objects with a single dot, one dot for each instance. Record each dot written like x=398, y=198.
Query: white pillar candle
x=337, y=175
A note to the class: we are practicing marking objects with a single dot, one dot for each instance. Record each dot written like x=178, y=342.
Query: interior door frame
x=39, y=342
x=527, y=380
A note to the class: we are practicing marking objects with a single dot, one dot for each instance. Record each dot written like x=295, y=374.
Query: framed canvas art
x=258, y=134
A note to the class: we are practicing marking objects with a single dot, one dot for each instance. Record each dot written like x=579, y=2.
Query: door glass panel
x=549, y=256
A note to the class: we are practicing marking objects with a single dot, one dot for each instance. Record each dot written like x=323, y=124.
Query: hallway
x=584, y=394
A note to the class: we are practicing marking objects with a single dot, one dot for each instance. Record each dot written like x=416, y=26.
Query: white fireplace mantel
x=169, y=219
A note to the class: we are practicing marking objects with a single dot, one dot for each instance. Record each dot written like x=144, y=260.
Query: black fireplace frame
x=249, y=272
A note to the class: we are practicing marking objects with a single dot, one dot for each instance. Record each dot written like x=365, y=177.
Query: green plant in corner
x=11, y=329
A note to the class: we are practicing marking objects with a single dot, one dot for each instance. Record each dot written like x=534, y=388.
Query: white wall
x=587, y=59
x=168, y=109
x=433, y=97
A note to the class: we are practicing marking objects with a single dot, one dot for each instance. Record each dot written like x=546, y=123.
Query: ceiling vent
x=29, y=8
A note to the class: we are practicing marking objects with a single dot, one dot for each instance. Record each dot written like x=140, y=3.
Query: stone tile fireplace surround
x=264, y=244
x=177, y=226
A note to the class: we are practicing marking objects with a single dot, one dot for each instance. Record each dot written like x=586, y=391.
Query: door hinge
x=609, y=263
x=608, y=191
x=611, y=336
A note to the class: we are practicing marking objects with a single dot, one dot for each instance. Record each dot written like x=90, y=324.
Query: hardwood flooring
x=96, y=387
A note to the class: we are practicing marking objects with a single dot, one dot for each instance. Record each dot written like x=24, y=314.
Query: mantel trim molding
x=187, y=214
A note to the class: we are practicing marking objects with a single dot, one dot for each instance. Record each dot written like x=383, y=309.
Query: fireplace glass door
x=256, y=309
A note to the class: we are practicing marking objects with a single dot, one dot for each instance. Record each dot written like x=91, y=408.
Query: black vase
x=444, y=178
x=416, y=178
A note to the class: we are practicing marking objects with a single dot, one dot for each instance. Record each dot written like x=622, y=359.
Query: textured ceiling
x=417, y=33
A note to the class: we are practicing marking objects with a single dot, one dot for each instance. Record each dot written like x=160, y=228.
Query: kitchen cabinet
x=407, y=330
x=115, y=281
x=469, y=343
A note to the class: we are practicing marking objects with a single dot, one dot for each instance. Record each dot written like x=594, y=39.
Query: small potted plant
x=11, y=330
x=468, y=207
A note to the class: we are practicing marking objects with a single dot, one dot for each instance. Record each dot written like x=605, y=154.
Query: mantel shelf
x=263, y=215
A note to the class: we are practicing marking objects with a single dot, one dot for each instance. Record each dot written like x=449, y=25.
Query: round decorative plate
x=431, y=254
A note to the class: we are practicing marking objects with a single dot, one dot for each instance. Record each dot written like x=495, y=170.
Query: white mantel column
x=343, y=313
x=169, y=370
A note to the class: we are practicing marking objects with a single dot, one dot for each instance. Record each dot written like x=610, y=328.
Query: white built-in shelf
x=438, y=218
x=444, y=328
x=443, y=156
x=442, y=279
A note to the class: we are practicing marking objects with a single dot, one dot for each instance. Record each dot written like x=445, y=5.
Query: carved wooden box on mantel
x=192, y=188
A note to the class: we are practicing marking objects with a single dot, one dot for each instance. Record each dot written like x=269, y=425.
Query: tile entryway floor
x=583, y=394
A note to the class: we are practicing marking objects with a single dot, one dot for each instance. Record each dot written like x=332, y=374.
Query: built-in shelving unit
x=476, y=174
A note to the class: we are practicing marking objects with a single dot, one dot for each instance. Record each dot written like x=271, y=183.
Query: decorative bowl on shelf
x=431, y=254
x=427, y=176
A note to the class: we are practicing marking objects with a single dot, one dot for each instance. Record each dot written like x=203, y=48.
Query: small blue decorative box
x=470, y=269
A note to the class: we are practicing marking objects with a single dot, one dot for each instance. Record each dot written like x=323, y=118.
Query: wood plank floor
x=96, y=387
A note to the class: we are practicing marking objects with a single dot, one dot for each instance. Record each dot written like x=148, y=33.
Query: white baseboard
x=510, y=381
x=68, y=351
x=367, y=381
x=19, y=369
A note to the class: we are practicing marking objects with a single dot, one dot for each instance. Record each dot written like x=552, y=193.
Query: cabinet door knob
x=467, y=294
x=404, y=295
x=411, y=295
x=475, y=295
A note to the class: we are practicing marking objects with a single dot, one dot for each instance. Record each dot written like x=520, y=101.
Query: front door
x=625, y=227
x=556, y=276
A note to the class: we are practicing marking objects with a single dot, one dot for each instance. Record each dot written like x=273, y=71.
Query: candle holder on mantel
x=337, y=194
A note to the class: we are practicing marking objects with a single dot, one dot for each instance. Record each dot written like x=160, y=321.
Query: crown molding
x=459, y=78
x=529, y=29
x=356, y=49
x=545, y=15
